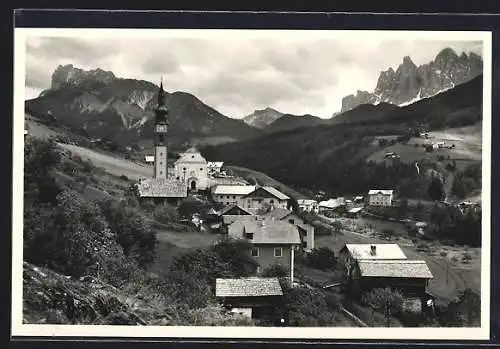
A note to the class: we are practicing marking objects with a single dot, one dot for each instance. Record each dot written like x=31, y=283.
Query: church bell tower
x=160, y=136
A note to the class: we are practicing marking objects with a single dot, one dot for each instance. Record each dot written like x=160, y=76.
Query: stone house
x=380, y=197
x=306, y=230
x=273, y=241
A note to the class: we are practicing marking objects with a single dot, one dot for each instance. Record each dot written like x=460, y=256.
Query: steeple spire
x=161, y=94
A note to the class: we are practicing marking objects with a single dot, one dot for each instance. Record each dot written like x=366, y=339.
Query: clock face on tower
x=161, y=128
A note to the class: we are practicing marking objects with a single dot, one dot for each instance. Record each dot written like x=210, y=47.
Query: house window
x=161, y=163
x=272, y=201
x=249, y=236
x=161, y=172
x=278, y=252
x=227, y=203
x=291, y=221
x=201, y=168
x=234, y=196
x=255, y=252
x=258, y=270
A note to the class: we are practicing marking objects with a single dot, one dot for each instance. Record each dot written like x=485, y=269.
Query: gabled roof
x=161, y=188
x=395, y=268
x=380, y=191
x=227, y=209
x=215, y=164
x=265, y=231
x=383, y=251
x=248, y=287
x=272, y=191
x=233, y=189
x=306, y=202
x=278, y=213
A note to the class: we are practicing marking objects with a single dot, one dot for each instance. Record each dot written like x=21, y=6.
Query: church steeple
x=161, y=95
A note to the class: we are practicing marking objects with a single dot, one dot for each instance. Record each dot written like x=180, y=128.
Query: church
x=163, y=185
x=192, y=169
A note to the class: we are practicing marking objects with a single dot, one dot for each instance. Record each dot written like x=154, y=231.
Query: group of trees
x=465, y=182
x=451, y=223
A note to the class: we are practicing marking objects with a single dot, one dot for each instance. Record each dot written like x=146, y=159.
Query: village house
x=214, y=167
x=253, y=297
x=308, y=205
x=369, y=266
x=149, y=159
x=191, y=168
x=263, y=197
x=330, y=205
x=306, y=230
x=273, y=241
x=231, y=194
x=380, y=197
x=229, y=214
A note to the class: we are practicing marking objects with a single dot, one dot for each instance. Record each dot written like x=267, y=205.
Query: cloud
x=236, y=75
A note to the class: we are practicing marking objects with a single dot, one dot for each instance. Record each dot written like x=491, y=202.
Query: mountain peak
x=446, y=53
x=68, y=74
x=407, y=60
x=260, y=118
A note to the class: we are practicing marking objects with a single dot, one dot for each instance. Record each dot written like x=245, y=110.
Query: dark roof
x=248, y=287
x=227, y=209
x=278, y=213
x=272, y=191
x=265, y=230
x=395, y=268
x=161, y=188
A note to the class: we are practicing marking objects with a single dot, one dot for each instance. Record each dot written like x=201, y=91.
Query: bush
x=321, y=258
x=385, y=300
x=275, y=270
x=165, y=214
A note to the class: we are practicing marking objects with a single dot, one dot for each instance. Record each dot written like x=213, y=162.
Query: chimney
x=373, y=250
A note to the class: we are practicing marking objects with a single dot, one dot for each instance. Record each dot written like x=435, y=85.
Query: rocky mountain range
x=262, y=117
x=103, y=105
x=410, y=83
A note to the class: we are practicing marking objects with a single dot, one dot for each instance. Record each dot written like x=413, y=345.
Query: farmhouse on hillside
x=254, y=297
x=231, y=194
x=273, y=241
x=306, y=230
x=192, y=169
x=380, y=197
x=161, y=186
x=385, y=265
x=308, y=205
x=263, y=197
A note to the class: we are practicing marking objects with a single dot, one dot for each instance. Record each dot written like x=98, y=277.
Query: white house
x=331, y=204
x=191, y=168
x=380, y=197
x=231, y=194
x=149, y=159
x=308, y=205
x=214, y=167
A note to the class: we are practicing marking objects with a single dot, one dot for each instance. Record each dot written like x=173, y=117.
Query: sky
x=237, y=75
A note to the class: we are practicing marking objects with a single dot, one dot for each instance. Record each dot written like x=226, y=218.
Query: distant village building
x=263, y=197
x=273, y=241
x=149, y=159
x=229, y=214
x=214, y=167
x=231, y=194
x=378, y=197
x=161, y=186
x=191, y=168
x=369, y=266
x=306, y=230
x=308, y=205
x=253, y=297
x=331, y=204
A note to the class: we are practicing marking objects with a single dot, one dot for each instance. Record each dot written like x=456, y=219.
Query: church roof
x=161, y=188
x=192, y=155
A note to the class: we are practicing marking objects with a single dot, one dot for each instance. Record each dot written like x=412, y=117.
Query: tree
x=402, y=208
x=458, y=188
x=467, y=257
x=386, y=300
x=322, y=258
x=464, y=311
x=388, y=234
x=435, y=190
